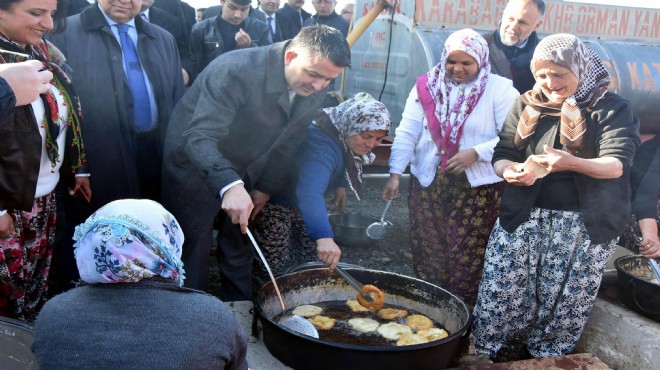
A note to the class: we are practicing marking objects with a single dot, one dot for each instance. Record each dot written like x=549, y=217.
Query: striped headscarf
x=452, y=114
x=129, y=240
x=567, y=51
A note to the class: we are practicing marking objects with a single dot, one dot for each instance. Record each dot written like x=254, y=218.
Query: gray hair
x=324, y=41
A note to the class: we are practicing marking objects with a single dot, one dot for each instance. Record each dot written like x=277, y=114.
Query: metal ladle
x=378, y=229
x=293, y=322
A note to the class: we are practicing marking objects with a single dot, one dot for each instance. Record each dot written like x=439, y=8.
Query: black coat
x=289, y=19
x=172, y=25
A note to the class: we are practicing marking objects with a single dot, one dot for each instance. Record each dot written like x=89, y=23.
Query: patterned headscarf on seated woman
x=128, y=240
x=567, y=51
x=452, y=113
x=356, y=115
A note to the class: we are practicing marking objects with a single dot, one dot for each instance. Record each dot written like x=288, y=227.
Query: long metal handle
x=387, y=206
x=352, y=282
x=655, y=268
x=270, y=273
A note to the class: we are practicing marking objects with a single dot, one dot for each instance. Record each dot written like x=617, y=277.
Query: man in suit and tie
x=232, y=139
x=128, y=76
x=269, y=10
x=292, y=17
x=171, y=24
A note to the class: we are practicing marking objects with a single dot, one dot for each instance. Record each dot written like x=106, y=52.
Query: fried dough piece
x=356, y=306
x=433, y=334
x=363, y=325
x=322, y=322
x=419, y=322
x=408, y=339
x=393, y=330
x=392, y=313
x=307, y=310
x=376, y=295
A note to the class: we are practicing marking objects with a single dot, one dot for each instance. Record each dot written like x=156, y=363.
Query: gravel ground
x=392, y=253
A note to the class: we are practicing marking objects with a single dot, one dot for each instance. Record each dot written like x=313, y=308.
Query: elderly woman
x=133, y=312
x=338, y=144
x=565, y=152
x=448, y=131
x=35, y=141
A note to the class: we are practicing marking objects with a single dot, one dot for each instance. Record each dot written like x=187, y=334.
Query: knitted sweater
x=413, y=142
x=152, y=324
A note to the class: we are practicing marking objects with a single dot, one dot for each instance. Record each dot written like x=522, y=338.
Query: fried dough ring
x=419, y=322
x=392, y=313
x=375, y=294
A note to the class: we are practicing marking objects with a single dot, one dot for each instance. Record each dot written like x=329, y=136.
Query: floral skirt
x=25, y=260
x=538, y=286
x=450, y=223
x=280, y=232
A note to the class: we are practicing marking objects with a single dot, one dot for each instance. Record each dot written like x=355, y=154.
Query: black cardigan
x=612, y=131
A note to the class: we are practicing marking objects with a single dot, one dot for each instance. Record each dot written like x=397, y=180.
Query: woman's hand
x=511, y=172
x=339, y=201
x=391, y=188
x=650, y=245
x=83, y=187
x=259, y=200
x=598, y=168
x=328, y=252
x=462, y=160
x=6, y=226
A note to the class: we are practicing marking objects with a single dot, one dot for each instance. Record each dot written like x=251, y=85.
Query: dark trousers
x=196, y=255
x=235, y=258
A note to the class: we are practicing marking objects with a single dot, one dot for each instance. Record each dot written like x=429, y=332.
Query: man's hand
x=83, y=187
x=26, y=80
x=238, y=205
x=259, y=200
x=243, y=39
x=462, y=160
x=328, y=252
x=339, y=201
x=6, y=226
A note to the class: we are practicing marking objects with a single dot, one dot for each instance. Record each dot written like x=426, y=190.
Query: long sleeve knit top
x=413, y=142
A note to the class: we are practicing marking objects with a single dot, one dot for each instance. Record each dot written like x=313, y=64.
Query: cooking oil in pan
x=342, y=332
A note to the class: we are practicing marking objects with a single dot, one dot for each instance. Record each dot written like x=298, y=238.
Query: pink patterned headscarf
x=452, y=114
x=128, y=240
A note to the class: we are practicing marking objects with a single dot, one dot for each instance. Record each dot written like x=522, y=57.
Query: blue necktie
x=270, y=26
x=141, y=105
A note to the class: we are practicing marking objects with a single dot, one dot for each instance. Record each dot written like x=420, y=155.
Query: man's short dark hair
x=242, y=2
x=325, y=41
x=540, y=5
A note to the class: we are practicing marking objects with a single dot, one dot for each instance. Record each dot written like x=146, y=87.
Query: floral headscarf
x=129, y=240
x=452, y=114
x=354, y=116
x=567, y=51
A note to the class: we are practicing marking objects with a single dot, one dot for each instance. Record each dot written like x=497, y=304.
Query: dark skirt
x=450, y=223
x=282, y=237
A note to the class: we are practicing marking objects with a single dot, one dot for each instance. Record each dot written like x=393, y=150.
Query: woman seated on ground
x=448, y=131
x=132, y=311
x=339, y=142
x=645, y=184
x=546, y=255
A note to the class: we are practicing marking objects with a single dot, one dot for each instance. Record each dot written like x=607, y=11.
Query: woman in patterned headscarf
x=448, y=131
x=132, y=312
x=565, y=152
x=338, y=144
x=40, y=144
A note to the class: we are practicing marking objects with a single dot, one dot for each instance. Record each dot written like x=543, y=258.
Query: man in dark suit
x=122, y=129
x=174, y=26
x=232, y=139
x=292, y=17
x=231, y=29
x=269, y=9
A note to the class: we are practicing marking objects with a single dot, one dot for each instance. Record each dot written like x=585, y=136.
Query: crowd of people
x=521, y=164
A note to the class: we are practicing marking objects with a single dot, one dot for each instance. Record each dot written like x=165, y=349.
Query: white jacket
x=413, y=142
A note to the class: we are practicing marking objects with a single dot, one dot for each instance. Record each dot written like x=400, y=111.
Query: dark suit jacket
x=289, y=19
x=232, y=124
x=95, y=56
x=172, y=25
x=277, y=37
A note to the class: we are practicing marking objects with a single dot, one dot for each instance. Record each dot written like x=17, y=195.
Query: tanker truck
x=405, y=40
